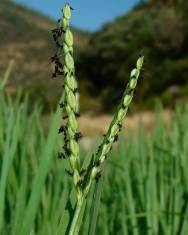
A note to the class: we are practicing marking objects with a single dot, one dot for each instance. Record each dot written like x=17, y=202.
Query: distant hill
x=25, y=37
x=158, y=29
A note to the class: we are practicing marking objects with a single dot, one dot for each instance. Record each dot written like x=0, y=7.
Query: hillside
x=25, y=37
x=159, y=31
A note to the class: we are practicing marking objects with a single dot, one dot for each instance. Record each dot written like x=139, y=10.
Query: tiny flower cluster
x=64, y=65
x=57, y=58
x=116, y=125
x=63, y=62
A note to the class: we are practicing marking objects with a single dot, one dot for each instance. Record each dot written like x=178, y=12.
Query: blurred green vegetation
x=145, y=185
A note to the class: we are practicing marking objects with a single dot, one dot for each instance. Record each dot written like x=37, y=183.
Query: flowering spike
x=116, y=124
x=82, y=181
x=69, y=103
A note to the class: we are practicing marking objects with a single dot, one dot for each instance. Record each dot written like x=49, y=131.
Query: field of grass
x=144, y=190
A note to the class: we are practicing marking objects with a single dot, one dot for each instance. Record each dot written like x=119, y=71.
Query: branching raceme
x=64, y=65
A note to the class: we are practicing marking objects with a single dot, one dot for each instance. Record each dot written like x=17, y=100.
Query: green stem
x=95, y=208
x=74, y=225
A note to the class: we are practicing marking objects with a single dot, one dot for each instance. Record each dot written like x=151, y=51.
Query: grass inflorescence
x=64, y=41
x=144, y=190
x=145, y=183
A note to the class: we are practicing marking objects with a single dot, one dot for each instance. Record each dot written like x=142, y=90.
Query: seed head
x=69, y=38
x=67, y=11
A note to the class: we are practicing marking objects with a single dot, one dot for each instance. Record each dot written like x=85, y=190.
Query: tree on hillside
x=159, y=32
x=167, y=1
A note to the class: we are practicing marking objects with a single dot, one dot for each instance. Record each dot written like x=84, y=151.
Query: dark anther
x=65, y=146
x=57, y=32
x=78, y=136
x=80, y=183
x=65, y=117
x=98, y=176
x=61, y=155
x=54, y=37
x=54, y=58
x=75, y=91
x=116, y=138
x=131, y=91
x=123, y=106
x=82, y=171
x=56, y=68
x=58, y=45
x=54, y=75
x=120, y=125
x=98, y=162
x=63, y=105
x=58, y=63
x=67, y=150
x=70, y=6
x=99, y=148
x=69, y=172
x=62, y=129
x=54, y=30
x=66, y=140
x=60, y=73
x=65, y=131
x=77, y=114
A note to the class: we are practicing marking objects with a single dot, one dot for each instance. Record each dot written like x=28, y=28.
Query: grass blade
x=40, y=177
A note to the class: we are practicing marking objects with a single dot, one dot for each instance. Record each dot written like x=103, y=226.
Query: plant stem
x=74, y=225
x=95, y=208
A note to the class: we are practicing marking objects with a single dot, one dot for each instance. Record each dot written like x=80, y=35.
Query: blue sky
x=88, y=14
